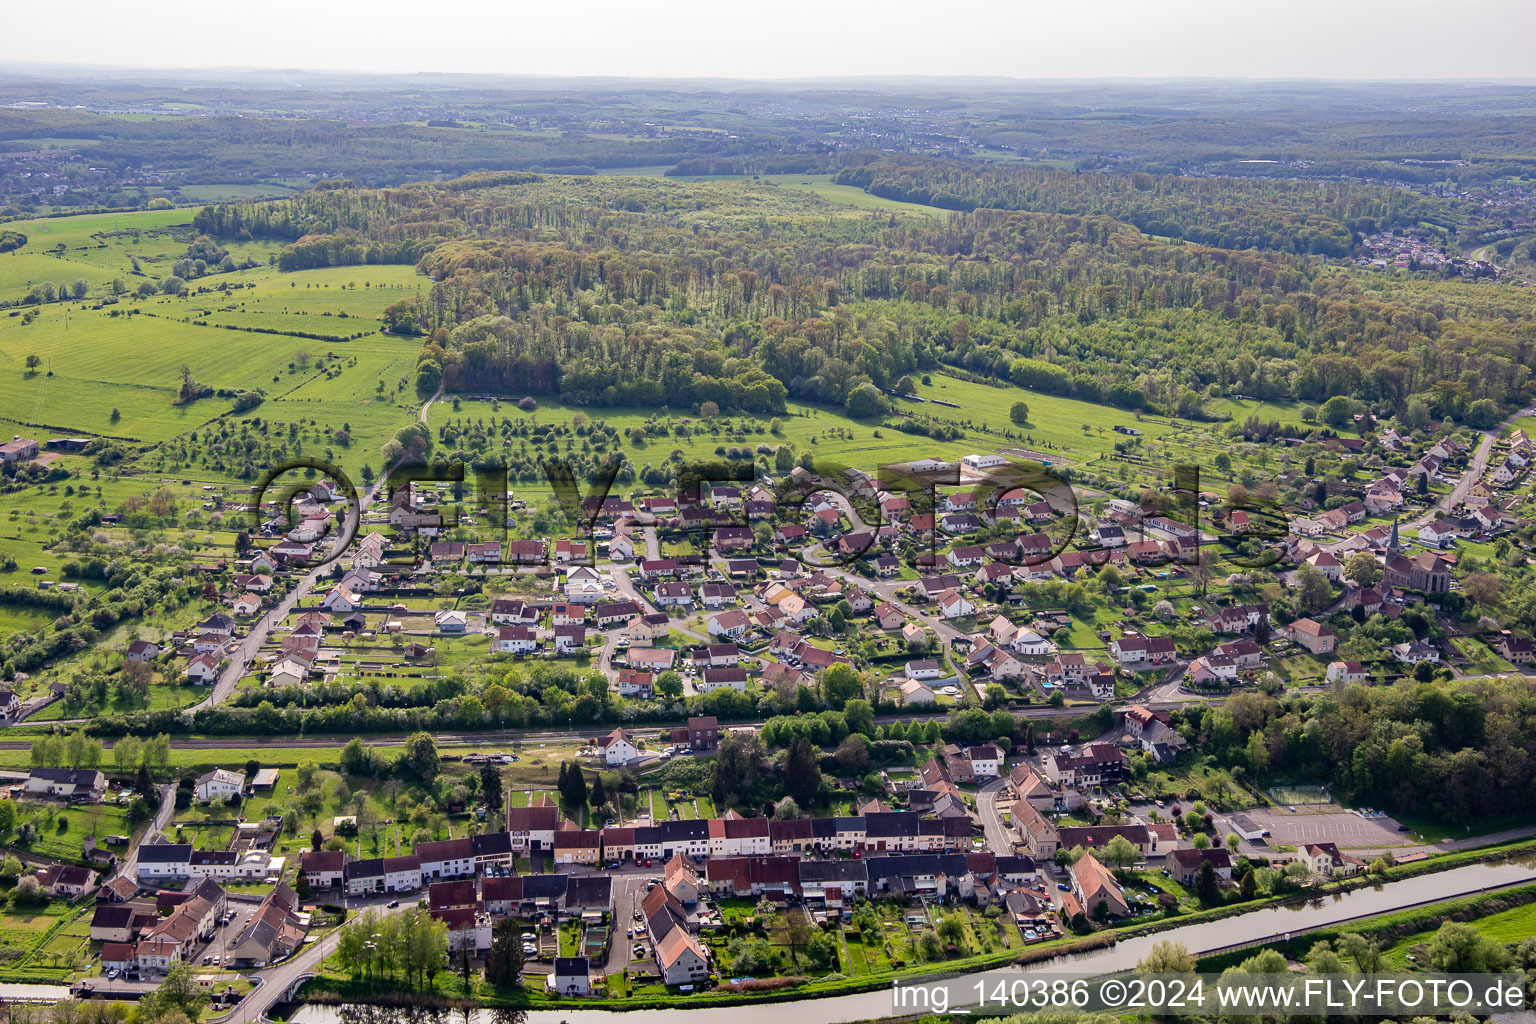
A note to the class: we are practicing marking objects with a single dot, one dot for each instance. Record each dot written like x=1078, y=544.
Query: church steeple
x=1393, y=544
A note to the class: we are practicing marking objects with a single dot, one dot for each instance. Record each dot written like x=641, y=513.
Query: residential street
x=129, y=866
x=998, y=839
x=1469, y=477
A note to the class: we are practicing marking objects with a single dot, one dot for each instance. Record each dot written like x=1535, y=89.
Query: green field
x=1055, y=424
x=232, y=193
x=849, y=195
x=61, y=831
x=97, y=247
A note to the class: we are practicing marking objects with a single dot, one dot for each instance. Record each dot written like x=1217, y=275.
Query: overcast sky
x=800, y=38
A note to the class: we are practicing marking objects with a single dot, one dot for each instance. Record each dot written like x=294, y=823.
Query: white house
x=986, y=761
x=143, y=650
x=953, y=605
x=1306, y=527
x=674, y=594
x=570, y=639
x=203, y=668
x=572, y=976
x=290, y=671
x=714, y=679
x=516, y=640
x=681, y=959
x=732, y=623
x=219, y=784
x=926, y=669
x=383, y=875
x=65, y=782
x=617, y=748
x=1414, y=652
x=1027, y=642
x=1325, y=563
x=1347, y=672
x=340, y=599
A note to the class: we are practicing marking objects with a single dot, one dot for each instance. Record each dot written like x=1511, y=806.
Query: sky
x=785, y=39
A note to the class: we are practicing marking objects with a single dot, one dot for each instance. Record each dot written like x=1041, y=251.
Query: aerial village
x=703, y=615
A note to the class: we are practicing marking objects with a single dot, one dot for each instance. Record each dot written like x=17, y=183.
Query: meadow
x=849, y=195
x=61, y=830
x=117, y=376
x=1055, y=424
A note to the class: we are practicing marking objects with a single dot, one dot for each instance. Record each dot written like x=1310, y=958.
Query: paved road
x=276, y=981
x=1472, y=474
x=624, y=583
x=129, y=867
x=885, y=590
x=998, y=839
x=628, y=891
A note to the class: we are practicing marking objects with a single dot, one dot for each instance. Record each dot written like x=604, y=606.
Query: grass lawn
x=1055, y=424
x=1214, y=784
x=849, y=195
x=162, y=697
x=1481, y=660
x=61, y=830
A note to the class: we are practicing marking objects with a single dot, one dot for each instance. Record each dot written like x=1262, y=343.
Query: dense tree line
x=1456, y=751
x=1288, y=216
x=626, y=292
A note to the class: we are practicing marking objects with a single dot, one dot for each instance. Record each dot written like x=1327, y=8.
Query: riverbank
x=1386, y=929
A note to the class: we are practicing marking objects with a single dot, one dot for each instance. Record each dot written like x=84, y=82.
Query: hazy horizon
x=45, y=68
x=1368, y=40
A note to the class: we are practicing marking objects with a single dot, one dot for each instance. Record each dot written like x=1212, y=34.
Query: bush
x=29, y=892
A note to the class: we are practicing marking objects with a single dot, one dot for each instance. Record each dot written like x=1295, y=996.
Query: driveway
x=129, y=867
x=999, y=841
x=628, y=891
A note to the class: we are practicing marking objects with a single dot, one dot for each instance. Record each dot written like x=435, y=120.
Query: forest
x=629, y=291
x=1454, y=751
x=1230, y=213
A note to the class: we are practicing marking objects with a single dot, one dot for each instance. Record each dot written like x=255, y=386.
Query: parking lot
x=1327, y=823
x=628, y=892
x=225, y=935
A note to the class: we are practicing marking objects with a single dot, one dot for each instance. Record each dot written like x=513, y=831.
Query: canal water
x=1256, y=927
